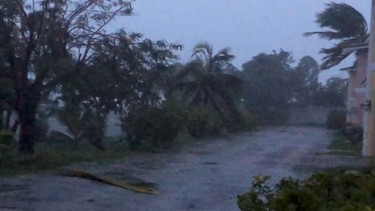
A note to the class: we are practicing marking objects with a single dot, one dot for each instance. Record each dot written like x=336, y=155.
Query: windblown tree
x=123, y=72
x=204, y=81
x=269, y=90
x=344, y=24
x=333, y=94
x=305, y=81
x=42, y=42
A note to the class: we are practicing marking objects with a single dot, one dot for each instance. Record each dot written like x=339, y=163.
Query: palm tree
x=213, y=63
x=204, y=82
x=346, y=25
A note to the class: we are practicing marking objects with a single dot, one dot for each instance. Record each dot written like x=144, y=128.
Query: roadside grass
x=52, y=155
x=342, y=146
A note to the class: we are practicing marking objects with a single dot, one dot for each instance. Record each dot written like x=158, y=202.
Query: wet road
x=206, y=176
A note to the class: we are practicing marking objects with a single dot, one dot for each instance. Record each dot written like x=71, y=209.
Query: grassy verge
x=52, y=155
x=341, y=146
x=49, y=156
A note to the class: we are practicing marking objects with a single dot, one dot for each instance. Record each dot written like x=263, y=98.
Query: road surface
x=206, y=176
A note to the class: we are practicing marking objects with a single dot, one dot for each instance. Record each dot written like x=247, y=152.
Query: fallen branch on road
x=110, y=181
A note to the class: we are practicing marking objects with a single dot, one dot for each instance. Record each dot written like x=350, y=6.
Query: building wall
x=356, y=91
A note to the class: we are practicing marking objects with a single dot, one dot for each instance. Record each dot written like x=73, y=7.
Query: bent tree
x=123, y=71
x=45, y=41
x=344, y=24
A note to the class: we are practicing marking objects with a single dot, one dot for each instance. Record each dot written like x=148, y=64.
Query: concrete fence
x=310, y=115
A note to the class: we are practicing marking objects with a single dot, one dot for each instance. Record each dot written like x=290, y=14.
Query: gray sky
x=249, y=27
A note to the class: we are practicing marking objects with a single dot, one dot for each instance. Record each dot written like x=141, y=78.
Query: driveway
x=206, y=176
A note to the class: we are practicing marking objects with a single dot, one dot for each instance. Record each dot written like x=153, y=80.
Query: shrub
x=345, y=190
x=203, y=122
x=239, y=121
x=6, y=146
x=84, y=124
x=353, y=133
x=336, y=119
x=71, y=116
x=149, y=127
x=93, y=127
x=41, y=129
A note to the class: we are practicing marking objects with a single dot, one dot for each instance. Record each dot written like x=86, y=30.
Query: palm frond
x=339, y=52
x=193, y=69
x=344, y=20
x=345, y=24
x=223, y=56
x=204, y=49
x=201, y=80
x=329, y=35
x=334, y=56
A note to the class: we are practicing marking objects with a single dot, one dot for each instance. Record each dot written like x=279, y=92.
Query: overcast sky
x=249, y=27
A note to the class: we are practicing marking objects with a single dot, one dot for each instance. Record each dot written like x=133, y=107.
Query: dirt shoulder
x=206, y=176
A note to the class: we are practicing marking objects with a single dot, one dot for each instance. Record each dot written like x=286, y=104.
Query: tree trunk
x=27, y=118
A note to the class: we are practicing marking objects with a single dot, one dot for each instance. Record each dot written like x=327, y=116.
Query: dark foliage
x=333, y=94
x=150, y=127
x=343, y=190
x=345, y=24
x=50, y=41
x=336, y=119
x=203, y=122
x=269, y=86
x=7, y=144
x=353, y=133
x=40, y=129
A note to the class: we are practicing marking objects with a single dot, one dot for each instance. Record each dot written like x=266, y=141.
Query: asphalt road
x=206, y=176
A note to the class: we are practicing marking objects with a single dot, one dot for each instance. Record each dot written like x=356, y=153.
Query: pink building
x=357, y=87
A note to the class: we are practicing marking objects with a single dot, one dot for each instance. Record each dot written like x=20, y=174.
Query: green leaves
x=149, y=127
x=204, y=81
x=345, y=190
x=268, y=80
x=344, y=20
x=345, y=24
x=213, y=62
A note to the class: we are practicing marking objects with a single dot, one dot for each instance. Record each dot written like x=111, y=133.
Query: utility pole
x=369, y=128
